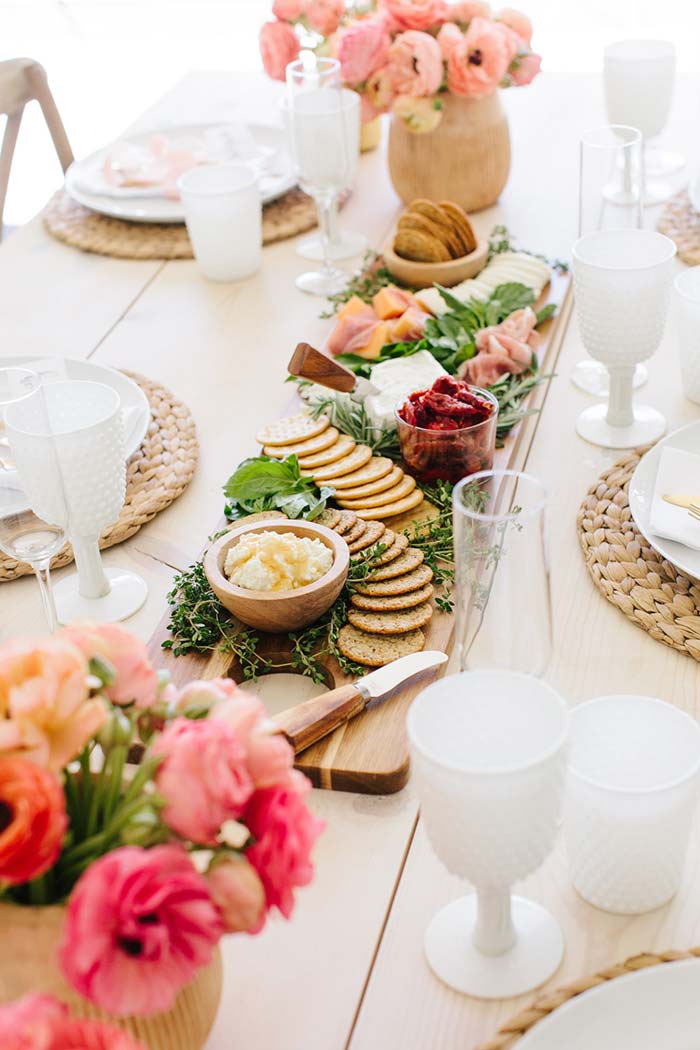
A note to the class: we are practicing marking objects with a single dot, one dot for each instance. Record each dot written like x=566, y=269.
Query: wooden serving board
x=370, y=753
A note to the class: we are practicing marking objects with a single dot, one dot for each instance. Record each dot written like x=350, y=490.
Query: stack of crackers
x=431, y=232
x=373, y=487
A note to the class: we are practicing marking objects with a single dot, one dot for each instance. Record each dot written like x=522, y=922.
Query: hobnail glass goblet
x=488, y=752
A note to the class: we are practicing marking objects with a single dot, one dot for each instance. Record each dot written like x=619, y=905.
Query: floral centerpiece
x=153, y=861
x=426, y=62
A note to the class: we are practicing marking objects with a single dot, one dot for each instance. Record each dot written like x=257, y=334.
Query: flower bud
x=117, y=731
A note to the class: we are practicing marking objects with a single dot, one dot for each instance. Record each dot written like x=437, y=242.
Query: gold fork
x=694, y=510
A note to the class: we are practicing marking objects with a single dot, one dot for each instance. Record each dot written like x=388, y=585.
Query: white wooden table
x=348, y=971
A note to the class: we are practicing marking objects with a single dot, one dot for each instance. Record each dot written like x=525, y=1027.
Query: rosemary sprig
x=351, y=418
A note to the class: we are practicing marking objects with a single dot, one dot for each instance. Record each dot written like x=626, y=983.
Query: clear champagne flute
x=24, y=535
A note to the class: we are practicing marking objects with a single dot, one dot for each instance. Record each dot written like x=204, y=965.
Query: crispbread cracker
x=408, y=581
x=292, y=430
x=414, y=221
x=391, y=509
x=359, y=456
x=348, y=518
x=420, y=247
x=390, y=622
x=303, y=448
x=409, y=560
x=392, y=495
x=395, y=550
x=338, y=450
x=372, y=534
x=357, y=530
x=330, y=517
x=375, y=650
x=460, y=223
x=372, y=487
x=375, y=468
x=393, y=602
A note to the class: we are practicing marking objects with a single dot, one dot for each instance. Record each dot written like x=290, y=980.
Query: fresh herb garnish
x=434, y=537
x=351, y=418
x=261, y=484
x=371, y=277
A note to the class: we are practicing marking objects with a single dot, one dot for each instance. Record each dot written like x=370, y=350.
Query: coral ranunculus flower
x=39, y=1022
x=238, y=893
x=269, y=756
x=136, y=680
x=33, y=820
x=287, y=10
x=517, y=21
x=478, y=64
x=526, y=69
x=139, y=924
x=362, y=48
x=324, y=15
x=415, y=14
x=449, y=35
x=279, y=45
x=415, y=64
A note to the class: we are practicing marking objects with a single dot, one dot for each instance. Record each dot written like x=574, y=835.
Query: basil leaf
x=546, y=312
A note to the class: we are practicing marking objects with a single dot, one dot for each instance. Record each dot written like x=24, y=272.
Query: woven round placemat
x=73, y=224
x=651, y=592
x=680, y=221
x=158, y=472
x=513, y=1030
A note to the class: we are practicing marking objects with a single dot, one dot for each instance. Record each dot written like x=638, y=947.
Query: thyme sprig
x=351, y=418
x=435, y=538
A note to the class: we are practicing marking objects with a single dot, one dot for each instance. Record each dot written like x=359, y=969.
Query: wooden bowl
x=424, y=274
x=279, y=611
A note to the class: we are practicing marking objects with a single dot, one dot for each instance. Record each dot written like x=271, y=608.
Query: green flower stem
x=144, y=774
x=96, y=800
x=39, y=890
x=116, y=760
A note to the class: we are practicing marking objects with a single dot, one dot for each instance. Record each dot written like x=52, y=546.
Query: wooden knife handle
x=309, y=363
x=306, y=723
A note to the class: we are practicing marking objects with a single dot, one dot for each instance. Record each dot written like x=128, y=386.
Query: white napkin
x=678, y=475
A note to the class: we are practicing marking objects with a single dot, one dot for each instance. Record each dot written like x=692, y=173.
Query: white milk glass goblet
x=324, y=131
x=639, y=77
x=23, y=534
x=622, y=281
x=223, y=212
x=686, y=310
x=611, y=185
x=634, y=781
x=503, y=601
x=84, y=496
x=488, y=753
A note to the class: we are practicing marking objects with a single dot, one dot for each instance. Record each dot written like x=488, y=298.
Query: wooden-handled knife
x=309, y=363
x=309, y=722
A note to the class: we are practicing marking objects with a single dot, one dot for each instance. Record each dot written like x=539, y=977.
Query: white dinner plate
x=641, y=495
x=161, y=209
x=653, y=1009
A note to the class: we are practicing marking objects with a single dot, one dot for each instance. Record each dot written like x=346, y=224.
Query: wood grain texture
x=309, y=363
x=309, y=722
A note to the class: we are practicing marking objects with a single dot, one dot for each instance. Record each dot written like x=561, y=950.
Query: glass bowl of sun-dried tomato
x=448, y=431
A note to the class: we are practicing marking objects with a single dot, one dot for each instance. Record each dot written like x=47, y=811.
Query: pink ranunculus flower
x=415, y=14
x=478, y=64
x=465, y=10
x=29, y=1023
x=205, y=694
x=284, y=831
x=269, y=757
x=518, y=22
x=379, y=89
x=238, y=893
x=324, y=15
x=415, y=64
x=362, y=48
x=449, y=35
x=46, y=714
x=512, y=41
x=203, y=777
x=136, y=679
x=420, y=115
x=139, y=924
x=288, y=10
x=526, y=69
x=279, y=45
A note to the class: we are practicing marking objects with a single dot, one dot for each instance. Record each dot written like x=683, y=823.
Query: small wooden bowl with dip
x=278, y=611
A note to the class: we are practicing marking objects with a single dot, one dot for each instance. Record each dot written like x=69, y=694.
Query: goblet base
x=128, y=592
x=322, y=283
x=594, y=378
x=648, y=426
x=345, y=246
x=662, y=161
x=453, y=958
x=656, y=192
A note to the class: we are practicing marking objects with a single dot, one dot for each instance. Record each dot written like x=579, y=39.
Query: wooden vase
x=466, y=159
x=29, y=939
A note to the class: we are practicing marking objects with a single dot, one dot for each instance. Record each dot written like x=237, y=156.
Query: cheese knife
x=309, y=363
x=310, y=721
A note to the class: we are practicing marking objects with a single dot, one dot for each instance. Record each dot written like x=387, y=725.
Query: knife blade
x=310, y=721
x=681, y=501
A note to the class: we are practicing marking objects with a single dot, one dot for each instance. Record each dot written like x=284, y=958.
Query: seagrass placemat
x=82, y=228
x=513, y=1030
x=158, y=472
x=680, y=221
x=651, y=592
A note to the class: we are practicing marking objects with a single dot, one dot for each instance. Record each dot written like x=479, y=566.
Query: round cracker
x=420, y=247
x=372, y=534
x=303, y=448
x=358, y=529
x=359, y=456
x=407, y=561
x=392, y=509
x=374, y=650
x=292, y=430
x=395, y=550
x=461, y=223
x=445, y=234
x=393, y=602
x=377, y=467
x=400, y=491
x=330, y=517
x=348, y=518
x=373, y=487
x=390, y=622
x=409, y=581
x=341, y=448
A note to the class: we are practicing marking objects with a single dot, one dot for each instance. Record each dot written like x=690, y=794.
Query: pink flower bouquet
x=206, y=835
x=406, y=55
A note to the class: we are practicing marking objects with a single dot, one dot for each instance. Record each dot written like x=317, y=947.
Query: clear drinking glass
x=622, y=281
x=634, y=780
x=639, y=77
x=23, y=534
x=686, y=308
x=224, y=219
x=324, y=131
x=488, y=755
x=503, y=601
x=611, y=186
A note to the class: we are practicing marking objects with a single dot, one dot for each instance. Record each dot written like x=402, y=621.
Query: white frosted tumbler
x=686, y=309
x=223, y=212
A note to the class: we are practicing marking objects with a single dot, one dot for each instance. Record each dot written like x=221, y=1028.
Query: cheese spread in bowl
x=274, y=561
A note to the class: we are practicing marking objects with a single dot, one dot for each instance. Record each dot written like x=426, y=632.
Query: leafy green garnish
x=351, y=417
x=261, y=484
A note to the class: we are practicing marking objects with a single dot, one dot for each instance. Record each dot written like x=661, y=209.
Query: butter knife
x=681, y=500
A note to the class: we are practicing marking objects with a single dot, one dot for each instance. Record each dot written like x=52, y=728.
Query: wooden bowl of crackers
x=434, y=243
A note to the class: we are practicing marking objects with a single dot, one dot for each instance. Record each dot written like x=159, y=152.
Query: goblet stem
x=42, y=572
x=620, y=411
x=93, y=582
x=494, y=932
x=325, y=208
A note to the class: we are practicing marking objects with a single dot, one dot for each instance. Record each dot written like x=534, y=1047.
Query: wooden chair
x=21, y=81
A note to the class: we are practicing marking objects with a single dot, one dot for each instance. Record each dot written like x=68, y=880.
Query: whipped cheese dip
x=274, y=561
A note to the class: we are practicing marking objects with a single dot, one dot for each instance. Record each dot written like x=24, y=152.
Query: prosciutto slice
x=506, y=348
x=353, y=332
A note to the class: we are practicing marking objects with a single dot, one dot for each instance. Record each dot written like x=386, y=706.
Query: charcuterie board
x=369, y=754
